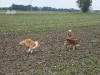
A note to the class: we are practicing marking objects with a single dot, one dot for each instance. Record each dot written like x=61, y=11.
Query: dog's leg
x=73, y=47
x=31, y=51
x=28, y=50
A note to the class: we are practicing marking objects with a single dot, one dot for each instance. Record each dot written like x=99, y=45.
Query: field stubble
x=52, y=58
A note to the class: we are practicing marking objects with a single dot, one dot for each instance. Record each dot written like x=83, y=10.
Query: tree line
x=29, y=8
x=84, y=6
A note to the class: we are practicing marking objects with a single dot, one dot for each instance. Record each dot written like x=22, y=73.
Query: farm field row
x=51, y=58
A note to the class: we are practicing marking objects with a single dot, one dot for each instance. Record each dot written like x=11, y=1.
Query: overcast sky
x=49, y=3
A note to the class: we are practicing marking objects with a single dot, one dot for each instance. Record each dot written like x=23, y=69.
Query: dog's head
x=40, y=43
x=77, y=41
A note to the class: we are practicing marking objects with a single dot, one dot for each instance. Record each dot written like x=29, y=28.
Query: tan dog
x=30, y=44
x=73, y=42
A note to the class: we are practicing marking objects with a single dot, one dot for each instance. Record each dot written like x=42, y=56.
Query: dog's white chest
x=36, y=45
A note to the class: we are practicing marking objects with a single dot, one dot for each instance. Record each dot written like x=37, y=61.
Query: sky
x=49, y=3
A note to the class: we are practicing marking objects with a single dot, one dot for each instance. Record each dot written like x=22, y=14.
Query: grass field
x=52, y=58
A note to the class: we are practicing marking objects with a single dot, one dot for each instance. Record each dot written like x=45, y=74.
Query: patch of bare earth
x=46, y=59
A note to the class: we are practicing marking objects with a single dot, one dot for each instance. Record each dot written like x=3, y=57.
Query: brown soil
x=14, y=59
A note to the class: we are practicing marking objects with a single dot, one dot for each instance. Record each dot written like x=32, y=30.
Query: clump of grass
x=66, y=73
x=39, y=72
x=53, y=68
x=95, y=41
x=29, y=63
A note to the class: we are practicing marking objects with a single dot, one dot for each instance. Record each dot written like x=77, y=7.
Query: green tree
x=84, y=5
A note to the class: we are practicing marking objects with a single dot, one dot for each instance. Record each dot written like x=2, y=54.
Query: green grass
x=95, y=41
x=87, y=63
x=30, y=64
x=46, y=20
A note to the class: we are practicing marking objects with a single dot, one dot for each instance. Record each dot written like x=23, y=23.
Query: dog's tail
x=70, y=30
x=69, y=34
x=22, y=42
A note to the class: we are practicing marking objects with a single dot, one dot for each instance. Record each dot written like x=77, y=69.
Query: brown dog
x=30, y=44
x=73, y=42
